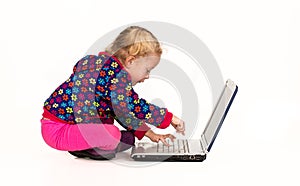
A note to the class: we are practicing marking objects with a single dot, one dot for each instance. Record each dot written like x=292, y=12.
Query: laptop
x=190, y=149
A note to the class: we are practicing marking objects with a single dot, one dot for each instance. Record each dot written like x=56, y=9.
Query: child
x=79, y=115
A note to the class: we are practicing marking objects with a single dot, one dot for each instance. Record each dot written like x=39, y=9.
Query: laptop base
x=168, y=158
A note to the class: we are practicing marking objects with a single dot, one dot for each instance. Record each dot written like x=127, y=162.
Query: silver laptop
x=189, y=149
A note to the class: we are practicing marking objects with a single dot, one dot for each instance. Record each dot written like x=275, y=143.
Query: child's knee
x=113, y=132
x=105, y=137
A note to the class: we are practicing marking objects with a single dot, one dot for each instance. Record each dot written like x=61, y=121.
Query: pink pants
x=70, y=137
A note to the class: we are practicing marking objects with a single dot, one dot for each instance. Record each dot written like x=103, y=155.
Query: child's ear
x=129, y=61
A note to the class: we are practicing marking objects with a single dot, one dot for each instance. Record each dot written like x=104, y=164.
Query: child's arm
x=133, y=112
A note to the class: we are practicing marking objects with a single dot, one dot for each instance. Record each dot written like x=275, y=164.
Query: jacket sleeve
x=133, y=112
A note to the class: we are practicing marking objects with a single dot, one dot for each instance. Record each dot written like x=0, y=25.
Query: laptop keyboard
x=177, y=146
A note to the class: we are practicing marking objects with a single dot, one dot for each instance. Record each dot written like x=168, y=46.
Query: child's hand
x=178, y=124
x=159, y=137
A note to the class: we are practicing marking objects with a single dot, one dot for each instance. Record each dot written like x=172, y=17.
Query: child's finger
x=171, y=137
x=164, y=141
x=180, y=128
x=181, y=132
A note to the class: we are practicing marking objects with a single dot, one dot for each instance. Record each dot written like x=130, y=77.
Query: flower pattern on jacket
x=100, y=90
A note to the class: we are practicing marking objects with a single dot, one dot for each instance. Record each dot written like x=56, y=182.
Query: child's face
x=139, y=68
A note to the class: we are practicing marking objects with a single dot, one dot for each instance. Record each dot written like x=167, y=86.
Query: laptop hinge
x=203, y=144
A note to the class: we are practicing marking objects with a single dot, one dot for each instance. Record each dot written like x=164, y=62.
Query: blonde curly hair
x=134, y=41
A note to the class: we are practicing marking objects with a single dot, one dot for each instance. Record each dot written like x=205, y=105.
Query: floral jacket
x=100, y=91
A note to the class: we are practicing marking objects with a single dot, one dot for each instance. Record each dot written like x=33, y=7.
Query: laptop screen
x=219, y=113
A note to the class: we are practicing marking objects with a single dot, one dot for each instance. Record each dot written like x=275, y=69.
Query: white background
x=256, y=43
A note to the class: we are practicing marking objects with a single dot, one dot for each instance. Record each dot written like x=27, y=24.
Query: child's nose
x=147, y=76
